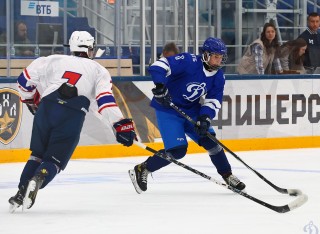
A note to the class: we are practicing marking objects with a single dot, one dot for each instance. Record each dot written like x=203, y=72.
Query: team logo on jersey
x=10, y=114
x=195, y=91
x=311, y=228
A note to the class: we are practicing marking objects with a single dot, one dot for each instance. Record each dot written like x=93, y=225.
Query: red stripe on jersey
x=103, y=94
x=106, y=106
x=27, y=74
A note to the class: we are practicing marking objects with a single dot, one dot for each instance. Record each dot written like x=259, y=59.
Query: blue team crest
x=10, y=114
x=195, y=90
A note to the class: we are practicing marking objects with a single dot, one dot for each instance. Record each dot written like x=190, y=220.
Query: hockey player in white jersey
x=65, y=84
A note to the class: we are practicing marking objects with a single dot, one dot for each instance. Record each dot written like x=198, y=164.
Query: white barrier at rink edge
x=258, y=112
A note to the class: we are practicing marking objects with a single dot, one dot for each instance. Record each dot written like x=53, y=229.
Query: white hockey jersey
x=47, y=74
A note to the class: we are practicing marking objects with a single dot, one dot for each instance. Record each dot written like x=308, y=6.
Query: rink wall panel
x=258, y=113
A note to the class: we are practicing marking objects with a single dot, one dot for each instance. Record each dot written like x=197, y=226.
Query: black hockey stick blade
x=299, y=201
x=291, y=192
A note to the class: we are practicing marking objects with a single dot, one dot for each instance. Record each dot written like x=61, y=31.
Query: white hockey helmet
x=81, y=41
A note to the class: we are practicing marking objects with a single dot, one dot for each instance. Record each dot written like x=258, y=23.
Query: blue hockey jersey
x=188, y=82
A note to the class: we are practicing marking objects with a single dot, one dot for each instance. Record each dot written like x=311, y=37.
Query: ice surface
x=96, y=196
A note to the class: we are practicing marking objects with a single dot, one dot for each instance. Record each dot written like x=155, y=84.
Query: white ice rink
x=96, y=196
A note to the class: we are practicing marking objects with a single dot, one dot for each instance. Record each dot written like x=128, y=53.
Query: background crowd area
x=264, y=51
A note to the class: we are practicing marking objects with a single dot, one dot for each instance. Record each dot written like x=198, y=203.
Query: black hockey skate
x=32, y=189
x=17, y=200
x=139, y=177
x=233, y=181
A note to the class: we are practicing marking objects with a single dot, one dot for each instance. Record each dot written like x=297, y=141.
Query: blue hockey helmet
x=214, y=46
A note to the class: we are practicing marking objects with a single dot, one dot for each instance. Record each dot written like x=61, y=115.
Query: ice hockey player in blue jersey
x=195, y=84
x=66, y=85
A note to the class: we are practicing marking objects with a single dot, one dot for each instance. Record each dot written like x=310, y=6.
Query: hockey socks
x=52, y=170
x=155, y=162
x=28, y=170
x=43, y=175
x=221, y=162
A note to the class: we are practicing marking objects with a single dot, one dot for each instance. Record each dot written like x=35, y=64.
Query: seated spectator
x=292, y=55
x=312, y=36
x=20, y=37
x=262, y=54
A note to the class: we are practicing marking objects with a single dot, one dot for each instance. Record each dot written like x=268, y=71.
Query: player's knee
x=215, y=150
x=35, y=157
x=212, y=147
x=178, y=153
x=207, y=143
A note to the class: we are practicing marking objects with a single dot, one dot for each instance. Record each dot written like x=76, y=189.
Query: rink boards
x=258, y=112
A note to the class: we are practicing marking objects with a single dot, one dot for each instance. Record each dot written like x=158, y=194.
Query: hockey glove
x=202, y=126
x=33, y=104
x=125, y=133
x=161, y=95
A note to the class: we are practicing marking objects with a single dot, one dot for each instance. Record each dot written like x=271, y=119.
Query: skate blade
x=132, y=175
x=27, y=201
x=13, y=207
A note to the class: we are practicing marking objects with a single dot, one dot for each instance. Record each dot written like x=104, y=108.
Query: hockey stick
x=291, y=192
x=299, y=201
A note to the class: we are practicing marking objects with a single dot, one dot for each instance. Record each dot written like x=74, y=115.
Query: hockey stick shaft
x=299, y=201
x=293, y=192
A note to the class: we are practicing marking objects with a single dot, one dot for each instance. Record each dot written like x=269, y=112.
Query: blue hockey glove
x=203, y=124
x=161, y=95
x=125, y=133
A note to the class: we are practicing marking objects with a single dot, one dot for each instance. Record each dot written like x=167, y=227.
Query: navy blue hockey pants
x=56, y=132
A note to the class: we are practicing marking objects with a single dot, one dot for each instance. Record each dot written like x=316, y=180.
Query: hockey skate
x=32, y=189
x=17, y=200
x=234, y=182
x=139, y=177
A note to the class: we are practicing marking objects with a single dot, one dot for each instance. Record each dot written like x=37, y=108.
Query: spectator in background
x=3, y=40
x=292, y=55
x=170, y=49
x=312, y=36
x=20, y=37
x=262, y=54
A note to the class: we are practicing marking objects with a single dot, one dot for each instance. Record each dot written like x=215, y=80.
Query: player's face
x=215, y=59
x=314, y=23
x=91, y=52
x=270, y=33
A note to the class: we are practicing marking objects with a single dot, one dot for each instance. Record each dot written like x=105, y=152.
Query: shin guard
x=52, y=170
x=29, y=170
x=220, y=161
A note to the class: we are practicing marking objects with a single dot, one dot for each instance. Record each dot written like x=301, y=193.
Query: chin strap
x=205, y=60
